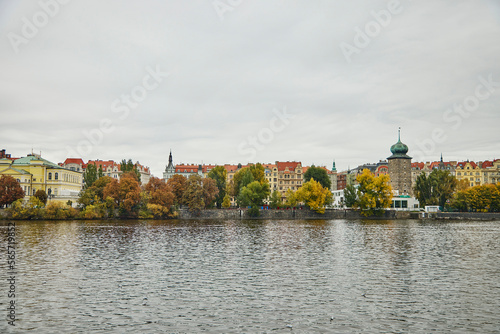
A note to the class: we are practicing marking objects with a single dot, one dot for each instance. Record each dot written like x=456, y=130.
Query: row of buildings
x=280, y=175
x=63, y=181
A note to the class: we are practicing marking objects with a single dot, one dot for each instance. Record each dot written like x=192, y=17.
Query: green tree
x=253, y=195
x=219, y=174
x=374, y=193
x=42, y=196
x=247, y=175
x=350, y=196
x=129, y=166
x=275, y=200
x=436, y=189
x=100, y=172
x=291, y=198
x=423, y=190
x=318, y=174
x=90, y=176
x=314, y=195
x=10, y=190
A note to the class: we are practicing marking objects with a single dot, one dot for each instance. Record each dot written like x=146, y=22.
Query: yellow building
x=470, y=171
x=490, y=172
x=35, y=173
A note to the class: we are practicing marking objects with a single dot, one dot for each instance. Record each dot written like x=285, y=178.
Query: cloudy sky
x=230, y=81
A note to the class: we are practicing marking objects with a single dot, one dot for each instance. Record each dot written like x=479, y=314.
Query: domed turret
x=399, y=149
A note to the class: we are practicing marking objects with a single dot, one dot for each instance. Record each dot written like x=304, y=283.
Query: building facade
x=36, y=173
x=399, y=165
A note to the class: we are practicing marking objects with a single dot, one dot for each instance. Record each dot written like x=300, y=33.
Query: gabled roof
x=104, y=164
x=418, y=165
x=77, y=161
x=463, y=163
x=18, y=171
x=487, y=164
x=292, y=165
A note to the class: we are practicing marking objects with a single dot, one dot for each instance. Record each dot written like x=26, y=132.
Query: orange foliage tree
x=10, y=190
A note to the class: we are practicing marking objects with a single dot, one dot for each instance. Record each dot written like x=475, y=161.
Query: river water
x=333, y=276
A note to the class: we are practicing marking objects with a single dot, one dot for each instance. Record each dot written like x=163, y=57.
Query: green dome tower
x=400, y=169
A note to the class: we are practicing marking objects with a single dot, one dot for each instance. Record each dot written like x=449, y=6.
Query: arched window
x=50, y=176
x=56, y=176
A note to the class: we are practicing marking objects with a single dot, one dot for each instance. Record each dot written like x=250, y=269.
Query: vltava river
x=254, y=277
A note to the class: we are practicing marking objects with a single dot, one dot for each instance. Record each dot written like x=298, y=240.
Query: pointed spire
x=441, y=156
x=399, y=134
x=334, y=169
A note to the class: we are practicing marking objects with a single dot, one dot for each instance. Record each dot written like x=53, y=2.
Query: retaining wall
x=290, y=214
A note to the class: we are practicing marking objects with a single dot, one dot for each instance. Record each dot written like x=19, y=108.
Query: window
x=56, y=176
x=50, y=176
x=404, y=204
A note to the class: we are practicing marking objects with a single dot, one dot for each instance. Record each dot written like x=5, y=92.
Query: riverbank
x=304, y=214
x=330, y=214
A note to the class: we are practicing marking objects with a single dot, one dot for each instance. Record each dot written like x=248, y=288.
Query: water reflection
x=257, y=276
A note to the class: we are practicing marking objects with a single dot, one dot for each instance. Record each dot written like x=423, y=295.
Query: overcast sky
x=250, y=81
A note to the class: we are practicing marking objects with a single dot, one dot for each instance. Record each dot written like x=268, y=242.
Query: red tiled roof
x=487, y=164
x=104, y=164
x=77, y=161
x=463, y=163
x=290, y=164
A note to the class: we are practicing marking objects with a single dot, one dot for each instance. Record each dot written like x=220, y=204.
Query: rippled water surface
x=255, y=277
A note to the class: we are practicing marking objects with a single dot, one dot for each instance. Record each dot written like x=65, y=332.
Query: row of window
x=66, y=177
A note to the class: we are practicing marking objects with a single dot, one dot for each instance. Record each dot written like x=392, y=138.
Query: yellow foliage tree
x=314, y=196
x=226, y=203
x=374, y=193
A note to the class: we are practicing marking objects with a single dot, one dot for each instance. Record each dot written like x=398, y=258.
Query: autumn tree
x=129, y=166
x=126, y=194
x=42, y=196
x=10, y=190
x=90, y=176
x=253, y=194
x=94, y=194
x=160, y=197
x=210, y=192
x=226, y=203
x=484, y=198
x=314, y=196
x=160, y=193
x=374, y=193
x=318, y=174
x=178, y=183
x=193, y=194
x=219, y=174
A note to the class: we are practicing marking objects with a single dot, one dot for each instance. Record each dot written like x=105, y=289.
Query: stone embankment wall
x=465, y=215
x=290, y=214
